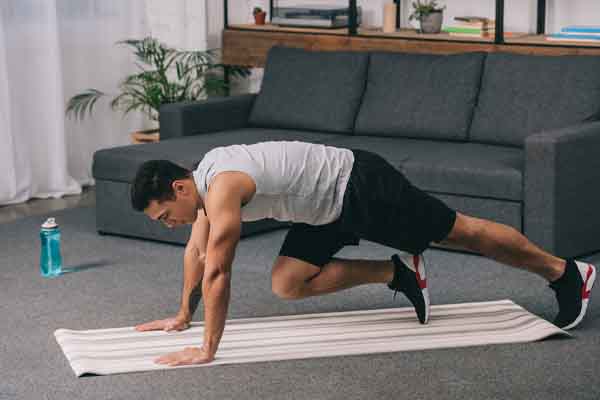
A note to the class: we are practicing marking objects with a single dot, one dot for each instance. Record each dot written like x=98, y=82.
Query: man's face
x=179, y=211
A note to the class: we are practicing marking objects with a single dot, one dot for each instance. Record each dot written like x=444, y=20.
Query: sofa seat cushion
x=470, y=169
x=524, y=94
x=120, y=164
x=315, y=90
x=420, y=95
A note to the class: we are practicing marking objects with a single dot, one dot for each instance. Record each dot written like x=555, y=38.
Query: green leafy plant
x=166, y=75
x=257, y=10
x=423, y=9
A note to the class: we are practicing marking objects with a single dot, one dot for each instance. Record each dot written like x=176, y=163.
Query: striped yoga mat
x=120, y=350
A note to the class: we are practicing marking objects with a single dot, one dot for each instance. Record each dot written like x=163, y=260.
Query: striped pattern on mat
x=121, y=350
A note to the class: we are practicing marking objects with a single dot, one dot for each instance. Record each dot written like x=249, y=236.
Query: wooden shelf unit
x=248, y=44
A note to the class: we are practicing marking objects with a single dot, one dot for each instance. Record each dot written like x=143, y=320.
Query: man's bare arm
x=223, y=207
x=193, y=267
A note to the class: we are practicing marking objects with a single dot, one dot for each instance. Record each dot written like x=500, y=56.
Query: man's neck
x=198, y=199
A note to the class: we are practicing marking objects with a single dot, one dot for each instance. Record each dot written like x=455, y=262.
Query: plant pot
x=259, y=18
x=145, y=136
x=432, y=23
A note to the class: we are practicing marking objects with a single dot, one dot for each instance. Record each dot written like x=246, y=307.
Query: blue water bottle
x=50, y=259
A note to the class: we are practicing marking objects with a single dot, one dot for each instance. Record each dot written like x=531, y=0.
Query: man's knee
x=466, y=231
x=289, y=276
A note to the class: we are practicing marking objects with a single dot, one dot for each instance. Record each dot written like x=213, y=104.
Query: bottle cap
x=49, y=224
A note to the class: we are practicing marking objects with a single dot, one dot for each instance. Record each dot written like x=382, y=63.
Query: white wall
x=181, y=23
x=519, y=16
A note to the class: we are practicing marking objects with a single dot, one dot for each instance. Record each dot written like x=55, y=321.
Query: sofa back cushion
x=524, y=94
x=420, y=95
x=313, y=90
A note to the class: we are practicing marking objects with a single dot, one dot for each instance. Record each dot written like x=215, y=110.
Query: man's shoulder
x=227, y=183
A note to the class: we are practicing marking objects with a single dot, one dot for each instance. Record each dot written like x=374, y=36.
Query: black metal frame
x=498, y=38
x=499, y=25
x=541, y=17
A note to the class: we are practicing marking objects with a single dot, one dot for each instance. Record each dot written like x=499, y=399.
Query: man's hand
x=189, y=355
x=176, y=323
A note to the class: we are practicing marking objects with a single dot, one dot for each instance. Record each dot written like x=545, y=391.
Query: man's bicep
x=223, y=205
x=226, y=226
x=223, y=208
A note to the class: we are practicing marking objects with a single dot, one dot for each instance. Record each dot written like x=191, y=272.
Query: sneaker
x=573, y=293
x=409, y=278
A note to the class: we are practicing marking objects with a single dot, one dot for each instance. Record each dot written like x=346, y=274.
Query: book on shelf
x=490, y=35
x=573, y=38
x=455, y=29
x=470, y=35
x=581, y=29
x=473, y=26
x=471, y=18
x=576, y=34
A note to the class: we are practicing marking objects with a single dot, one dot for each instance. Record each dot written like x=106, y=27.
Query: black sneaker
x=573, y=293
x=409, y=278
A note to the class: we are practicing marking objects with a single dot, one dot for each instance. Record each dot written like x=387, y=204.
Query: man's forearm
x=191, y=293
x=216, y=301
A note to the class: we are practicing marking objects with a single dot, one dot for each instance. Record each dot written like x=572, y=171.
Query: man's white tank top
x=295, y=181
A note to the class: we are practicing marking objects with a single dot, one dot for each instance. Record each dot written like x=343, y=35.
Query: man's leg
x=503, y=243
x=491, y=239
x=294, y=279
x=571, y=280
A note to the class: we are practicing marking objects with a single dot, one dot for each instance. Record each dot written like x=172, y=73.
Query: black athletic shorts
x=380, y=205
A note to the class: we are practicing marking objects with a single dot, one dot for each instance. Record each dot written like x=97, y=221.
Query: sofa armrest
x=562, y=189
x=210, y=115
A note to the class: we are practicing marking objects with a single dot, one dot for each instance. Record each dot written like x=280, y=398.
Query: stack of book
x=471, y=26
x=577, y=33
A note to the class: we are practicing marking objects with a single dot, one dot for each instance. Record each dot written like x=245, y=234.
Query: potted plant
x=166, y=76
x=259, y=16
x=429, y=15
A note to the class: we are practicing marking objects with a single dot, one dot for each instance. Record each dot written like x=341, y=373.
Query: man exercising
x=334, y=197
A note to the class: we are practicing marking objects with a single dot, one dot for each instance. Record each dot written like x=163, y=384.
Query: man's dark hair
x=153, y=181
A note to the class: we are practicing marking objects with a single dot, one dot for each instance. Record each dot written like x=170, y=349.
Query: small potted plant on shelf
x=259, y=16
x=166, y=76
x=429, y=15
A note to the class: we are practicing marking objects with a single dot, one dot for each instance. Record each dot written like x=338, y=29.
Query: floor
x=117, y=282
x=152, y=272
x=44, y=206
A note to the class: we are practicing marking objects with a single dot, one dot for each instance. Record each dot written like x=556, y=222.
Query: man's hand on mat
x=189, y=355
x=169, y=324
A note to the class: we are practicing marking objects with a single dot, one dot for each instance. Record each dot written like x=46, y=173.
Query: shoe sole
x=587, y=287
x=416, y=265
x=421, y=277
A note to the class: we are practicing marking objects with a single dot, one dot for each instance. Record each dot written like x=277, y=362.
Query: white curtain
x=51, y=50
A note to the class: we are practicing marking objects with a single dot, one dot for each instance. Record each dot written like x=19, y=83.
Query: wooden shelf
x=249, y=46
x=405, y=33
x=366, y=31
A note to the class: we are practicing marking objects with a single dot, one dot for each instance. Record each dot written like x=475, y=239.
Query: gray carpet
x=123, y=282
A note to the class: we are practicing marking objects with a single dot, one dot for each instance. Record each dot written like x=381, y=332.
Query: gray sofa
x=512, y=138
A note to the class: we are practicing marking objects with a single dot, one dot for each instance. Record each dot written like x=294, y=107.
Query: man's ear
x=178, y=187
